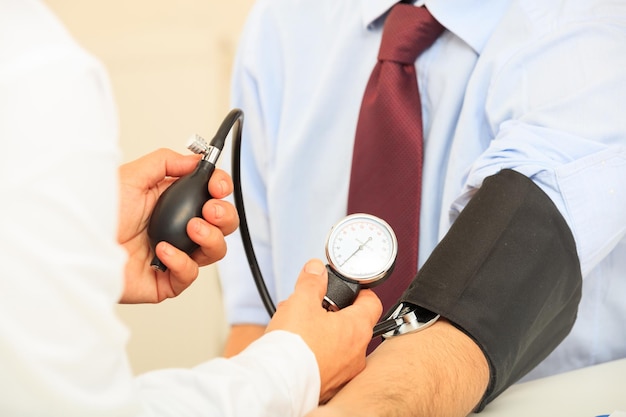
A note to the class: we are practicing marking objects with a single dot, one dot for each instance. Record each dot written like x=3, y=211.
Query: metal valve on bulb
x=184, y=199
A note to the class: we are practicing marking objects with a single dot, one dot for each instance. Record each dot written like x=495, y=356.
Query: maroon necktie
x=386, y=175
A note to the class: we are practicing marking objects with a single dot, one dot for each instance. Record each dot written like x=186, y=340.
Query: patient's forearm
x=437, y=372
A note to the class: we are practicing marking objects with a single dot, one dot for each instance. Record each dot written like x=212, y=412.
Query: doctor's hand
x=338, y=339
x=141, y=183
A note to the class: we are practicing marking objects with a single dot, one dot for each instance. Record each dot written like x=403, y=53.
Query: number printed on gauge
x=362, y=248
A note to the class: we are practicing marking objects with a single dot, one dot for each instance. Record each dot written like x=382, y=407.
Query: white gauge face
x=362, y=248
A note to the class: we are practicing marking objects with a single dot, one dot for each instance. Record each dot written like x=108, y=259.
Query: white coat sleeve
x=277, y=375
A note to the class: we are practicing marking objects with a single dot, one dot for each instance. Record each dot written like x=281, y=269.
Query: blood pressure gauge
x=361, y=250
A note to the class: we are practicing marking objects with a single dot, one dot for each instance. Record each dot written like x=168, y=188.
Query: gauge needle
x=361, y=246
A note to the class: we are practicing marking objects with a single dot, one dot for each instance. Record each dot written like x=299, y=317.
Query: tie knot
x=408, y=31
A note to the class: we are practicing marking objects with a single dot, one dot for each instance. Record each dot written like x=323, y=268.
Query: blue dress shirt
x=537, y=86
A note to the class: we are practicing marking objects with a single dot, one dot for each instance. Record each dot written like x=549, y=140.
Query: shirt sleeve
x=554, y=108
x=509, y=270
x=277, y=375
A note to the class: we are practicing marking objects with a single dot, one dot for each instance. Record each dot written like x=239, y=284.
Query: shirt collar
x=471, y=20
x=374, y=10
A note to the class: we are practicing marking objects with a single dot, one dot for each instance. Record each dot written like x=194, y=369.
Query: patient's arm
x=439, y=371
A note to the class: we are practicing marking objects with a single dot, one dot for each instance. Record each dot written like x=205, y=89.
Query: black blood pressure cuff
x=507, y=274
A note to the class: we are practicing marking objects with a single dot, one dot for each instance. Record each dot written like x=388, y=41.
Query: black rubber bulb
x=182, y=201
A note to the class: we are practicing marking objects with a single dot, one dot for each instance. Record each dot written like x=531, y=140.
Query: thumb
x=165, y=163
x=313, y=280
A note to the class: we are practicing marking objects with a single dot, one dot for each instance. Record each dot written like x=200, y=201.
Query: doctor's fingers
x=210, y=238
x=220, y=184
x=221, y=214
x=366, y=305
x=181, y=270
x=154, y=167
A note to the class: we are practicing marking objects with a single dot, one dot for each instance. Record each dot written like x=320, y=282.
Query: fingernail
x=314, y=267
x=223, y=187
x=219, y=211
x=199, y=227
x=167, y=248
